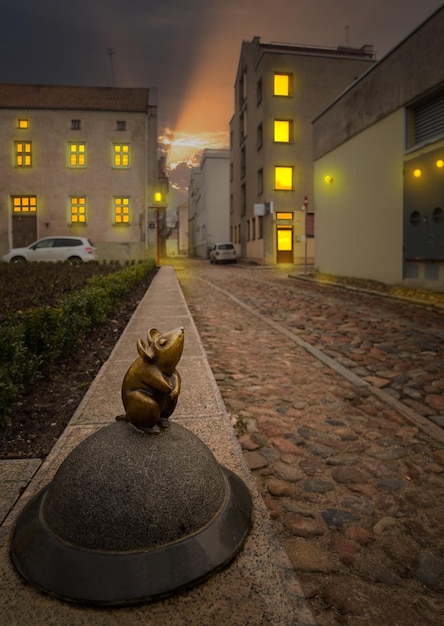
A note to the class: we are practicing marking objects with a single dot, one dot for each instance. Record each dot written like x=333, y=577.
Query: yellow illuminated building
x=278, y=90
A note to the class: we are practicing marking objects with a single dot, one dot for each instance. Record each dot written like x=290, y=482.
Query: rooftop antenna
x=111, y=52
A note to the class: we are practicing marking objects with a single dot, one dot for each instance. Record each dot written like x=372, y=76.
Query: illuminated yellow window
x=121, y=211
x=284, y=216
x=22, y=123
x=78, y=210
x=283, y=177
x=282, y=85
x=77, y=155
x=23, y=153
x=285, y=239
x=282, y=130
x=24, y=204
x=121, y=155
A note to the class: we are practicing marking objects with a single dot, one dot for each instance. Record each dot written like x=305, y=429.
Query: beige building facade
x=79, y=161
x=278, y=90
x=379, y=168
x=208, y=202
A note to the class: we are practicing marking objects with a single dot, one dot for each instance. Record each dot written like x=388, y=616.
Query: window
x=244, y=124
x=260, y=182
x=284, y=216
x=282, y=84
x=427, y=120
x=283, y=177
x=260, y=135
x=243, y=163
x=120, y=125
x=76, y=124
x=22, y=123
x=23, y=153
x=243, y=88
x=259, y=91
x=121, y=210
x=260, y=227
x=243, y=200
x=77, y=155
x=309, y=224
x=121, y=155
x=24, y=204
x=78, y=210
x=283, y=131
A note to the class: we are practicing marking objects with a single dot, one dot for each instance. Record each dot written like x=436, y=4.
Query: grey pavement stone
x=15, y=474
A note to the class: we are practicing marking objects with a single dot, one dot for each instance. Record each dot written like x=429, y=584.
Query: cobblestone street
x=337, y=398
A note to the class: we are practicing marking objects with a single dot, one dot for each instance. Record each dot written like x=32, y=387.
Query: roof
x=16, y=96
x=366, y=52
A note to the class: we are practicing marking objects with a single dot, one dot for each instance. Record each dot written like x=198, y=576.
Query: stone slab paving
x=259, y=587
x=354, y=483
x=15, y=476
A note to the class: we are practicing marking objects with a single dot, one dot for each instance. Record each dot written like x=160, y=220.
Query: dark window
x=428, y=120
x=76, y=124
x=66, y=242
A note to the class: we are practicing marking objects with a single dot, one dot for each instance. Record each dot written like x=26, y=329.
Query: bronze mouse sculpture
x=151, y=386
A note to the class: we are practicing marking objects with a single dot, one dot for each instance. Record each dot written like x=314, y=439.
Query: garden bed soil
x=41, y=413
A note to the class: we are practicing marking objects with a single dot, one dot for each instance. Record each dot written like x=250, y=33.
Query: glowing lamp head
x=439, y=163
x=328, y=179
x=158, y=196
x=417, y=173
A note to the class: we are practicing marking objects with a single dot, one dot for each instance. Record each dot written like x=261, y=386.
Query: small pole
x=111, y=52
x=158, y=236
x=305, y=209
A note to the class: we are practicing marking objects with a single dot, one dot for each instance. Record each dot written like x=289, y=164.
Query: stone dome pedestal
x=131, y=517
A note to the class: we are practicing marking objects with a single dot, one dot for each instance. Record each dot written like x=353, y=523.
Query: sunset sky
x=188, y=49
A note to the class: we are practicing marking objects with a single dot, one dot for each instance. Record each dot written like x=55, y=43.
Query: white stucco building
x=79, y=161
x=208, y=202
x=379, y=168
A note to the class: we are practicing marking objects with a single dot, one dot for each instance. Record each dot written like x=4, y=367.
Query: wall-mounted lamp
x=328, y=179
x=439, y=163
x=417, y=173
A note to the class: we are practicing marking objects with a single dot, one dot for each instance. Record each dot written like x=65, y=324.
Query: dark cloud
x=188, y=49
x=165, y=42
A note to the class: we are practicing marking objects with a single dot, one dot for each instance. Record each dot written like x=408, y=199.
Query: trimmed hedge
x=34, y=338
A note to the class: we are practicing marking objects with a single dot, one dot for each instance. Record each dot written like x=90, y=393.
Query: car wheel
x=74, y=260
x=18, y=259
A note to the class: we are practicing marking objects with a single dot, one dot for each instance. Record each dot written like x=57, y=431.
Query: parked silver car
x=222, y=253
x=53, y=249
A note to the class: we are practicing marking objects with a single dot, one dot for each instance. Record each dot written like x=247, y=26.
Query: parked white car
x=223, y=253
x=53, y=249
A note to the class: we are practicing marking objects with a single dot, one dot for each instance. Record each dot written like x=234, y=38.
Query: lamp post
x=158, y=200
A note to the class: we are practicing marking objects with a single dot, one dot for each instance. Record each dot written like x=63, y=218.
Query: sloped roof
x=16, y=96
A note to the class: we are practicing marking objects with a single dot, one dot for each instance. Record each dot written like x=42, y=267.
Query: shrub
x=31, y=340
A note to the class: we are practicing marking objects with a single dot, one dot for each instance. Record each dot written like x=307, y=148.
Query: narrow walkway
x=258, y=589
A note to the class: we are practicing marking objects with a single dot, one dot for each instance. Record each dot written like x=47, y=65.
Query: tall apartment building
x=79, y=161
x=279, y=89
x=208, y=202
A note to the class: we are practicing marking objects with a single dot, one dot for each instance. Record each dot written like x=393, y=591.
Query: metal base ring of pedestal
x=117, y=578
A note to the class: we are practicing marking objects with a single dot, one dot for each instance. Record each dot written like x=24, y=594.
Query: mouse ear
x=145, y=351
x=153, y=334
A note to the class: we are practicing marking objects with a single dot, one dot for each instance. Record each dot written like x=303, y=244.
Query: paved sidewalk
x=259, y=587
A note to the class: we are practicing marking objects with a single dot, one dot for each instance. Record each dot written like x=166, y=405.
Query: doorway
x=284, y=247
x=24, y=230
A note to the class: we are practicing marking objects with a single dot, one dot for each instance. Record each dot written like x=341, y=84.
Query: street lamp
x=158, y=201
